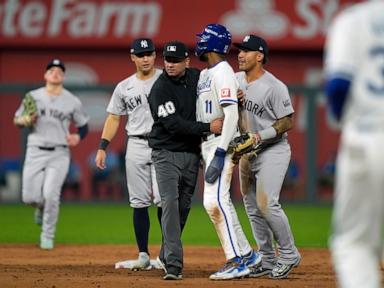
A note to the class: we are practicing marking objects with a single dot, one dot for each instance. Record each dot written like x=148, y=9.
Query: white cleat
x=141, y=263
x=46, y=244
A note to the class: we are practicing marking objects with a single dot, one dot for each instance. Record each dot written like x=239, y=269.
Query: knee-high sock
x=141, y=225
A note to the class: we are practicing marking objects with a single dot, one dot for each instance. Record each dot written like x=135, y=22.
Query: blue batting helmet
x=214, y=38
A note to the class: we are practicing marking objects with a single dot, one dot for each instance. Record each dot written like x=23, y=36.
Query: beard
x=203, y=57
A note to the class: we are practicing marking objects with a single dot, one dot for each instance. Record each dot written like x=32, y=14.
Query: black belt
x=210, y=136
x=51, y=148
x=142, y=137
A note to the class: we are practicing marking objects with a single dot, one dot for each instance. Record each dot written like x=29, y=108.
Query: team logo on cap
x=246, y=38
x=144, y=44
x=56, y=62
x=171, y=48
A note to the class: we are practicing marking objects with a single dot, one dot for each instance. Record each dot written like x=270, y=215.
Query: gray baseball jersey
x=130, y=98
x=267, y=99
x=47, y=158
x=261, y=178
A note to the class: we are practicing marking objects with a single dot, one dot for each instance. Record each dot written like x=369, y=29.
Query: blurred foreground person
x=354, y=66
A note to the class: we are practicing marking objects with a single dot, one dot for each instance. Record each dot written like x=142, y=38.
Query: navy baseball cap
x=142, y=45
x=55, y=63
x=254, y=43
x=175, y=49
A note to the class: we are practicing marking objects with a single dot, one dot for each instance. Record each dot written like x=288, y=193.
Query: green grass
x=112, y=224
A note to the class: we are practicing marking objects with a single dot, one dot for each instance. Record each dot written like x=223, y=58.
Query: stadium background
x=93, y=37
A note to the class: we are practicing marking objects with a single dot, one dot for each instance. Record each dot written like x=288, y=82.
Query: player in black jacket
x=175, y=140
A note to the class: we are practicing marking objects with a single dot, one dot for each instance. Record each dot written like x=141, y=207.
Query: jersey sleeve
x=80, y=117
x=165, y=110
x=117, y=105
x=280, y=101
x=340, y=56
x=226, y=85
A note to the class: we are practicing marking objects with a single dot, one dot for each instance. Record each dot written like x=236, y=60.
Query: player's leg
x=33, y=175
x=55, y=174
x=269, y=183
x=260, y=229
x=168, y=177
x=221, y=211
x=138, y=173
x=356, y=217
x=190, y=164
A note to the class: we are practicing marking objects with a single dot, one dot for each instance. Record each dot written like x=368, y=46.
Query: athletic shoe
x=46, y=244
x=170, y=276
x=259, y=271
x=161, y=264
x=142, y=263
x=173, y=274
x=234, y=268
x=39, y=216
x=252, y=259
x=281, y=270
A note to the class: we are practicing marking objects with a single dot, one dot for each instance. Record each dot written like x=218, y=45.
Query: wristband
x=267, y=133
x=103, y=144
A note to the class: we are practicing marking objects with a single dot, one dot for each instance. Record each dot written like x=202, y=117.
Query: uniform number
x=166, y=109
x=376, y=86
x=208, y=106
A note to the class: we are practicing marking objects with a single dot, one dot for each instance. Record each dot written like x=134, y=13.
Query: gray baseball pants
x=176, y=174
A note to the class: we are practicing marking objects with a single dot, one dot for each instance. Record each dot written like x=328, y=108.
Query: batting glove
x=216, y=166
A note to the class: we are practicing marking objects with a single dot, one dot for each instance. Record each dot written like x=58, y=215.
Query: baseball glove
x=243, y=144
x=30, y=110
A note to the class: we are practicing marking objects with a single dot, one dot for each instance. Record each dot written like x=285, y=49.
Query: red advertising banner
x=289, y=24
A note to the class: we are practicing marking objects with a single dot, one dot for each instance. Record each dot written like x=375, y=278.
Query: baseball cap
x=254, y=43
x=175, y=49
x=142, y=45
x=55, y=63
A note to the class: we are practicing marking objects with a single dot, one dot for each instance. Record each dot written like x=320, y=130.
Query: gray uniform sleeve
x=281, y=101
x=117, y=105
x=80, y=117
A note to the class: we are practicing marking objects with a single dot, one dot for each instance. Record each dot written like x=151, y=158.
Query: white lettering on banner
x=79, y=19
x=263, y=17
x=313, y=22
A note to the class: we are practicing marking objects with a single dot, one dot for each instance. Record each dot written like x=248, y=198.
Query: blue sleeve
x=337, y=90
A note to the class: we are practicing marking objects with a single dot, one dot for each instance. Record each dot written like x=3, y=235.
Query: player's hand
x=216, y=166
x=216, y=125
x=100, y=159
x=256, y=138
x=240, y=97
x=73, y=139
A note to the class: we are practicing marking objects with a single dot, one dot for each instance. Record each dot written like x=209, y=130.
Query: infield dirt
x=25, y=265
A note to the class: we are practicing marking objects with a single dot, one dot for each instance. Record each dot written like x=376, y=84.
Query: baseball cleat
x=170, y=276
x=46, y=244
x=38, y=216
x=142, y=263
x=281, y=270
x=158, y=264
x=234, y=268
x=252, y=259
x=259, y=272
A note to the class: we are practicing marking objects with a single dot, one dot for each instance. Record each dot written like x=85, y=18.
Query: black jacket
x=173, y=107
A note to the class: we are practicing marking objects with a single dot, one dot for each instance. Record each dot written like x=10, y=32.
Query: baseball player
x=267, y=113
x=354, y=65
x=217, y=98
x=130, y=98
x=47, y=157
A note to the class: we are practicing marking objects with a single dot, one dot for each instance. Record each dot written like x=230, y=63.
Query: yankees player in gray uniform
x=267, y=113
x=47, y=157
x=130, y=98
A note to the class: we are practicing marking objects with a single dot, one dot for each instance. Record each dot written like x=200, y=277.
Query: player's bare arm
x=284, y=124
x=109, y=131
